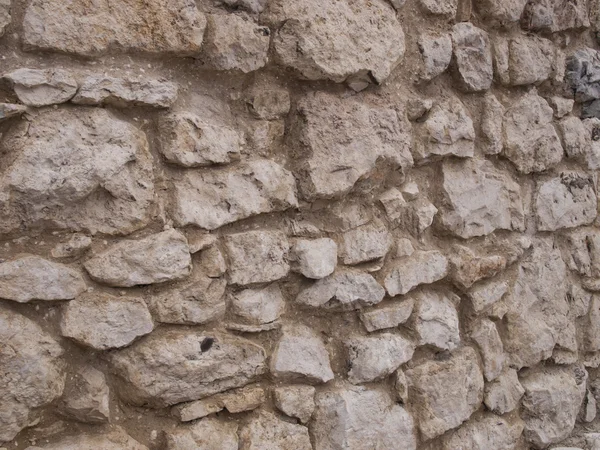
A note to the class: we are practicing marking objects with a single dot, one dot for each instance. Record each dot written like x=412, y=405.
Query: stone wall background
x=277, y=224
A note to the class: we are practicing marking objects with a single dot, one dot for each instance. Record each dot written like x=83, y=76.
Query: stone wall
x=299, y=224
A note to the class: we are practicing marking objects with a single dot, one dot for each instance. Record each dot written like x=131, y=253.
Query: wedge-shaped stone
x=422, y=267
x=34, y=278
x=35, y=87
x=329, y=136
x=479, y=199
x=78, y=169
x=388, y=316
x=154, y=259
x=366, y=243
x=174, y=27
x=174, y=366
x=217, y=197
x=486, y=336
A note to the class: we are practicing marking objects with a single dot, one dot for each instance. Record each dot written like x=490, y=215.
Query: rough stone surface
x=337, y=41
x=503, y=12
x=473, y=57
x=487, y=293
x=296, y=401
x=486, y=336
x=264, y=430
x=388, y=316
x=530, y=60
x=154, y=259
x=158, y=369
x=467, y=267
x=555, y=15
x=422, y=267
x=366, y=243
x=104, y=322
x=447, y=8
x=36, y=87
x=359, y=418
x=315, y=258
x=446, y=393
x=86, y=397
x=436, y=51
x=5, y=15
x=206, y=434
x=581, y=74
x=435, y=319
x=116, y=439
x=491, y=124
x=76, y=246
x=489, y=431
x=91, y=30
x=257, y=306
x=503, y=394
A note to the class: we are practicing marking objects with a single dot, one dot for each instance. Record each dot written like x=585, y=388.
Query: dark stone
x=583, y=74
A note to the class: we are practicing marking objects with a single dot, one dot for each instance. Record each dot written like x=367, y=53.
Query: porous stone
x=374, y=357
x=445, y=393
x=106, y=187
x=296, y=401
x=366, y=243
x=115, y=439
x=329, y=134
x=422, y=267
x=155, y=27
x=257, y=257
x=189, y=140
x=488, y=431
x=211, y=199
x=473, y=57
x=34, y=278
x=344, y=289
x=531, y=60
x=173, y=365
x=315, y=258
x=448, y=130
x=157, y=258
x=502, y=12
x=356, y=418
x=582, y=71
x=337, y=41
x=207, y=434
x=436, y=51
x=447, y=8
x=76, y=246
x=567, y=201
x=300, y=355
x=504, y=393
x=479, y=199
x=553, y=396
x=486, y=294
x=86, y=397
x=32, y=371
x=234, y=43
x=36, y=87
x=561, y=106
x=467, y=267
x=555, y=15
x=389, y=316
x=264, y=430
x=258, y=307
x=491, y=124
x=531, y=142
x=486, y=336
x=104, y=322
x=435, y=319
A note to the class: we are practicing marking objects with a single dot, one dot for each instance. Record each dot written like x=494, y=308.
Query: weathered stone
x=491, y=124
x=486, y=432
x=193, y=141
x=8, y=110
x=591, y=333
x=301, y=356
x=115, y=439
x=296, y=401
x=337, y=41
x=436, y=51
x=35, y=87
x=199, y=240
x=435, y=319
x=486, y=336
x=86, y=397
x=561, y=106
x=591, y=155
x=206, y=434
x=265, y=430
x=106, y=187
x=200, y=300
x=445, y=393
x=502, y=11
x=235, y=43
x=467, y=267
x=531, y=142
x=555, y=15
x=266, y=100
x=530, y=61
x=234, y=401
x=104, y=322
x=473, y=57
x=356, y=418
x=445, y=8
x=400, y=385
x=389, y=316
x=553, y=396
x=582, y=72
x=76, y=246
x=486, y=294
x=448, y=130
x=122, y=92
x=198, y=409
x=5, y=15
x=173, y=366
x=404, y=248
x=176, y=27
x=415, y=216
x=422, y=267
x=333, y=131
x=588, y=409
x=374, y=357
x=217, y=197
x=504, y=394
x=257, y=306
x=315, y=258
x=581, y=251
x=154, y=259
x=342, y=290
x=255, y=6
x=257, y=256
x=479, y=199
x=366, y=243
x=31, y=374
x=212, y=263
x=575, y=139
x=417, y=107
x=567, y=201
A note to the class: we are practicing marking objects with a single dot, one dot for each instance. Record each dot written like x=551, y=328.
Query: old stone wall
x=299, y=224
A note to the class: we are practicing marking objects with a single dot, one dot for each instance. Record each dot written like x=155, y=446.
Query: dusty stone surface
x=437, y=54
x=209, y=433
x=235, y=401
x=435, y=319
x=422, y=267
x=503, y=394
x=116, y=439
x=488, y=431
x=486, y=336
x=76, y=246
x=296, y=401
x=503, y=12
x=467, y=267
x=86, y=397
x=258, y=307
x=491, y=124
x=366, y=243
x=473, y=57
x=487, y=293
x=388, y=316
x=555, y=15
x=315, y=258
x=36, y=87
x=265, y=430
x=5, y=16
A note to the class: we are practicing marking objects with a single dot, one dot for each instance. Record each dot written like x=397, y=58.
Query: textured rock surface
x=265, y=430
x=209, y=433
x=473, y=57
x=435, y=319
x=419, y=268
x=36, y=87
x=296, y=401
x=315, y=258
x=117, y=439
x=86, y=397
x=488, y=431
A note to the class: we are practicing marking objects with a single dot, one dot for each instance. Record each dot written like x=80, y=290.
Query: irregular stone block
x=254, y=6
x=436, y=51
x=504, y=394
x=503, y=12
x=488, y=431
x=8, y=110
x=175, y=28
x=561, y=106
x=531, y=60
x=445, y=8
x=491, y=124
x=211, y=199
x=467, y=267
x=35, y=87
x=211, y=433
x=315, y=258
x=116, y=439
x=365, y=243
x=296, y=401
x=234, y=401
x=257, y=306
x=555, y=15
x=419, y=268
x=172, y=366
x=582, y=72
x=435, y=319
x=5, y=15
x=265, y=430
x=157, y=258
x=486, y=336
x=473, y=57
x=76, y=246
x=486, y=294
x=86, y=397
x=389, y=316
